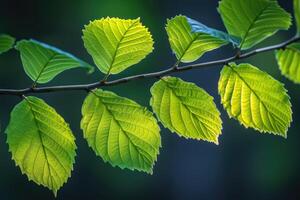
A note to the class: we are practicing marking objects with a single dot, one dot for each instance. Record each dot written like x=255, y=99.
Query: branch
x=88, y=87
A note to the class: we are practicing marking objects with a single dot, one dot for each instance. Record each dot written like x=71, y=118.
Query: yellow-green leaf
x=116, y=44
x=120, y=131
x=6, y=43
x=190, y=39
x=41, y=143
x=255, y=99
x=289, y=62
x=186, y=109
x=42, y=62
x=253, y=20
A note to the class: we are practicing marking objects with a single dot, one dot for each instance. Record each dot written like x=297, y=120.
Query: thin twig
x=88, y=87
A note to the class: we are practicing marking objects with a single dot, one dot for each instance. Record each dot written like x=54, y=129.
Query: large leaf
x=190, y=39
x=255, y=99
x=121, y=131
x=42, y=62
x=6, y=43
x=289, y=62
x=186, y=109
x=116, y=44
x=297, y=14
x=253, y=20
x=41, y=143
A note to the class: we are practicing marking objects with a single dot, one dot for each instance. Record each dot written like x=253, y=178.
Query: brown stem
x=88, y=87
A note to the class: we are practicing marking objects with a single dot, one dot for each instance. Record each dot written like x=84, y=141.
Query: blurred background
x=246, y=164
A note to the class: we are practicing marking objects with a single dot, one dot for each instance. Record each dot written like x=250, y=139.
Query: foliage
x=6, y=43
x=253, y=21
x=255, y=98
x=116, y=44
x=289, y=62
x=42, y=62
x=126, y=134
x=186, y=109
x=41, y=143
x=121, y=131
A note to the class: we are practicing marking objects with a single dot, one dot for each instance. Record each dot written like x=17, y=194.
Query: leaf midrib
x=125, y=133
x=44, y=67
x=253, y=23
x=41, y=140
x=184, y=105
x=118, y=45
x=270, y=114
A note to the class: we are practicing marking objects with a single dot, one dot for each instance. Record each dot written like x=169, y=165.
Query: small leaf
x=42, y=62
x=186, y=109
x=255, y=99
x=297, y=14
x=289, y=62
x=121, y=131
x=6, y=43
x=116, y=44
x=253, y=20
x=41, y=143
x=190, y=39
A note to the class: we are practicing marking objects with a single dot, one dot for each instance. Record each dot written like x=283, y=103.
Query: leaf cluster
x=126, y=134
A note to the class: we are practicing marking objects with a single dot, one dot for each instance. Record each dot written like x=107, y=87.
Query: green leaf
x=6, y=43
x=253, y=20
x=297, y=14
x=289, y=62
x=186, y=109
x=41, y=143
x=42, y=62
x=116, y=44
x=121, y=131
x=255, y=99
x=190, y=39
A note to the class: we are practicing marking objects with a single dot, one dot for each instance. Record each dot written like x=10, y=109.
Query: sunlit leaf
x=120, y=131
x=42, y=62
x=255, y=99
x=41, y=143
x=116, y=44
x=190, y=39
x=186, y=109
x=6, y=43
x=253, y=20
x=289, y=62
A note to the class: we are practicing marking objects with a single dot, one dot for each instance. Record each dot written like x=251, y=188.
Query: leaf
x=6, y=43
x=120, y=131
x=42, y=62
x=253, y=20
x=297, y=14
x=190, y=39
x=289, y=62
x=116, y=44
x=186, y=109
x=41, y=143
x=255, y=99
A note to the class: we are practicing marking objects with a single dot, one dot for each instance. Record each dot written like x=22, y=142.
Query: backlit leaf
x=6, y=43
x=289, y=62
x=255, y=99
x=116, y=44
x=186, y=109
x=190, y=39
x=42, y=62
x=41, y=143
x=120, y=131
x=253, y=20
